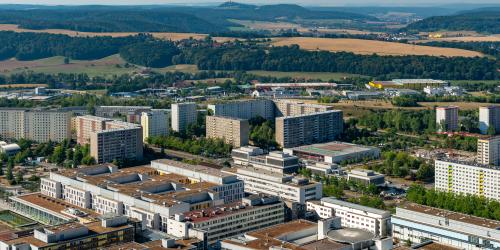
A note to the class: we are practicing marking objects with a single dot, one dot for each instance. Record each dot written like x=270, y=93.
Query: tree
x=491, y=130
x=19, y=177
x=66, y=60
x=88, y=160
x=77, y=155
x=1, y=167
x=10, y=165
x=58, y=155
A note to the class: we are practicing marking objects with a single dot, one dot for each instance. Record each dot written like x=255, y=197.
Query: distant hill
x=101, y=18
x=481, y=20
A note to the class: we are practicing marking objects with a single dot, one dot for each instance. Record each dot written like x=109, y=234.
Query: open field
x=277, y=26
x=22, y=85
x=368, y=47
x=492, y=38
x=324, y=76
x=160, y=35
x=108, y=66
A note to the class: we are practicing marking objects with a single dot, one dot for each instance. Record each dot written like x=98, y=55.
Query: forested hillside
x=487, y=21
x=159, y=18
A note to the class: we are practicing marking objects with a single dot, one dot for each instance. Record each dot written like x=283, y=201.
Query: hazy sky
x=301, y=2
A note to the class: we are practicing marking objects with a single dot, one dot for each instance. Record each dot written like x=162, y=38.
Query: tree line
x=467, y=204
x=292, y=58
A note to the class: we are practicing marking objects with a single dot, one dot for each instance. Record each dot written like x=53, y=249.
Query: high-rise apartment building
x=109, y=139
x=233, y=131
x=488, y=151
x=467, y=178
x=293, y=108
x=36, y=125
x=127, y=113
x=294, y=131
x=183, y=114
x=447, y=118
x=155, y=123
x=244, y=109
x=489, y=116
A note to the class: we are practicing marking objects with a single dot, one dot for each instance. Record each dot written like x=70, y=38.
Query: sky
x=301, y=2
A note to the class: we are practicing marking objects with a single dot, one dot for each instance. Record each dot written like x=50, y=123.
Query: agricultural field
x=22, y=86
x=160, y=35
x=368, y=47
x=323, y=76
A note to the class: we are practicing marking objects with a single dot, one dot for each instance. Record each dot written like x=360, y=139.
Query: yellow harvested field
x=276, y=26
x=492, y=38
x=368, y=47
x=160, y=35
x=23, y=85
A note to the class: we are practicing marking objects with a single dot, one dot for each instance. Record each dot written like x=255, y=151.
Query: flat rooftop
x=285, y=228
x=194, y=168
x=55, y=205
x=333, y=148
x=211, y=213
x=493, y=224
x=355, y=206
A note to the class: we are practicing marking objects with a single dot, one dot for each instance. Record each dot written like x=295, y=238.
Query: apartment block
x=117, y=144
x=467, y=178
x=293, y=108
x=36, y=125
x=488, y=151
x=86, y=125
x=294, y=131
x=127, y=113
x=244, y=109
x=155, y=123
x=489, y=116
x=447, y=118
x=418, y=224
x=183, y=114
x=353, y=215
x=233, y=131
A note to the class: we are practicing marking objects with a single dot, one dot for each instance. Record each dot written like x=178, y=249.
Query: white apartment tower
x=183, y=114
x=155, y=123
x=489, y=116
x=447, y=118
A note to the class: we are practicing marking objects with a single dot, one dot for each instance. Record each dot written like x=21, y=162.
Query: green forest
x=481, y=21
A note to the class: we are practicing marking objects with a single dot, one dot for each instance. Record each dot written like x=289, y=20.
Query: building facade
x=294, y=131
x=36, y=125
x=155, y=123
x=447, y=118
x=183, y=114
x=488, y=151
x=86, y=125
x=353, y=215
x=417, y=224
x=127, y=113
x=489, y=116
x=245, y=109
x=467, y=178
x=233, y=131
x=293, y=108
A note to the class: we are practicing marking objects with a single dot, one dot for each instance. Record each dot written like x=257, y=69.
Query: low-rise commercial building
x=220, y=222
x=276, y=161
x=294, y=131
x=306, y=235
x=366, y=177
x=9, y=149
x=334, y=152
x=353, y=215
x=467, y=178
x=407, y=83
x=73, y=235
x=233, y=131
x=416, y=224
